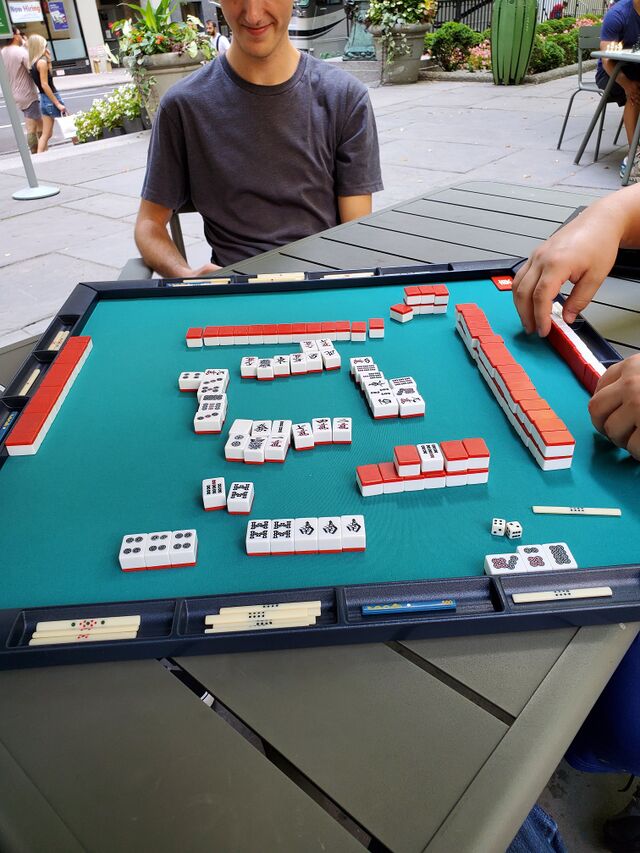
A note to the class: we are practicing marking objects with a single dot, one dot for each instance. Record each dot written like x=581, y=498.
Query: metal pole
x=34, y=190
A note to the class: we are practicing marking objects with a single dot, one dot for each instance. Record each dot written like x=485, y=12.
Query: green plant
x=88, y=126
x=152, y=32
x=555, y=25
x=108, y=113
x=546, y=54
x=451, y=44
x=391, y=15
x=568, y=43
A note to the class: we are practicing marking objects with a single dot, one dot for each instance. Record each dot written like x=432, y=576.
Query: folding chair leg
x=620, y=126
x=176, y=234
x=566, y=119
x=600, y=126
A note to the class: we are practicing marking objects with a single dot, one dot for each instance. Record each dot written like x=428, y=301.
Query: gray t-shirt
x=263, y=165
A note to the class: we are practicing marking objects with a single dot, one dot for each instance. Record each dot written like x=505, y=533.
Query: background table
x=619, y=57
x=434, y=745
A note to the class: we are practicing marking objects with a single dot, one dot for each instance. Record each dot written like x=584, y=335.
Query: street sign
x=6, y=29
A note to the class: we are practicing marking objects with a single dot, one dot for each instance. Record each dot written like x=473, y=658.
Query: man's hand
x=202, y=272
x=582, y=252
x=615, y=405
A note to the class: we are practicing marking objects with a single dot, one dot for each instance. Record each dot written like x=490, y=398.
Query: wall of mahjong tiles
x=122, y=456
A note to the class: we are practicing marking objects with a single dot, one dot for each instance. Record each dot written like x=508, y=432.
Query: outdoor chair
x=588, y=39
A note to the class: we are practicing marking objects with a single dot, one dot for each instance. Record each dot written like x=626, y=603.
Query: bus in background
x=319, y=27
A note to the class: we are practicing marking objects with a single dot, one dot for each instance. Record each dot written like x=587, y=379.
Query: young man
x=269, y=144
x=622, y=24
x=16, y=59
x=583, y=253
x=219, y=42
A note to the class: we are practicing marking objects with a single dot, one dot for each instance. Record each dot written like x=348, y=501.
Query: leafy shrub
x=450, y=45
x=546, y=54
x=568, y=43
x=457, y=46
x=556, y=25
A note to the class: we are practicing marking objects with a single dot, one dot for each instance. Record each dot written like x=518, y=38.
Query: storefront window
x=57, y=21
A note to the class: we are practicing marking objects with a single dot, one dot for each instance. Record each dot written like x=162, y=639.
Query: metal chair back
x=588, y=39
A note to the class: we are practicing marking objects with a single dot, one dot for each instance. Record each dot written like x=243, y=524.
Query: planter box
x=109, y=133
x=132, y=125
x=406, y=68
x=165, y=69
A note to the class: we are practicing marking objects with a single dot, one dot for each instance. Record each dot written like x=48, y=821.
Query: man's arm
x=615, y=405
x=156, y=246
x=583, y=253
x=353, y=206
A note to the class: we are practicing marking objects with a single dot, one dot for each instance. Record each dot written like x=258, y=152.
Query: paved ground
x=431, y=134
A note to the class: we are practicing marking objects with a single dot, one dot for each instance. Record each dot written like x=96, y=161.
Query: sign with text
x=58, y=15
x=25, y=11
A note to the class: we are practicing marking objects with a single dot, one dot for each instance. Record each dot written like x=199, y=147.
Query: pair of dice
x=513, y=529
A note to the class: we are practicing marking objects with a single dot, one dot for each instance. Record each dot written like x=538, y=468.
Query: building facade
x=79, y=31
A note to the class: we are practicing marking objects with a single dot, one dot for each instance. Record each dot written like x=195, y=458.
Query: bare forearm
x=621, y=210
x=159, y=251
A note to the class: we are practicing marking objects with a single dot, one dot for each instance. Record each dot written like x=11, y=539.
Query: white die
x=514, y=530
x=498, y=527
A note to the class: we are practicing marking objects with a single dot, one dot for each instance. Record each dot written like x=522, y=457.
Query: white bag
x=67, y=125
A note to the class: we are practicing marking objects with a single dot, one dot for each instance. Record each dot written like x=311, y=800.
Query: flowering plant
x=392, y=15
x=153, y=32
x=479, y=57
x=108, y=113
x=88, y=125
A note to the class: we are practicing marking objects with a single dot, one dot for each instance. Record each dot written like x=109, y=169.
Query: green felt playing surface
x=122, y=456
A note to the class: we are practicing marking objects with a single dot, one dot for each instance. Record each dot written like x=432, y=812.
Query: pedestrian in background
x=219, y=42
x=51, y=105
x=16, y=60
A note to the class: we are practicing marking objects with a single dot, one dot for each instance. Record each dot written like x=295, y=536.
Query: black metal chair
x=588, y=39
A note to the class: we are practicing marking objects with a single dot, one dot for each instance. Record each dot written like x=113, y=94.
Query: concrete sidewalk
x=431, y=134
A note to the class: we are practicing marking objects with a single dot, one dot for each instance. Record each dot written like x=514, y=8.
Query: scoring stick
x=577, y=510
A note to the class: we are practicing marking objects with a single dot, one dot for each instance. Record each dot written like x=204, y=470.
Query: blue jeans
x=48, y=108
x=538, y=834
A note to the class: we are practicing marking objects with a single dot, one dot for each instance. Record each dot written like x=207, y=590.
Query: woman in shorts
x=51, y=105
